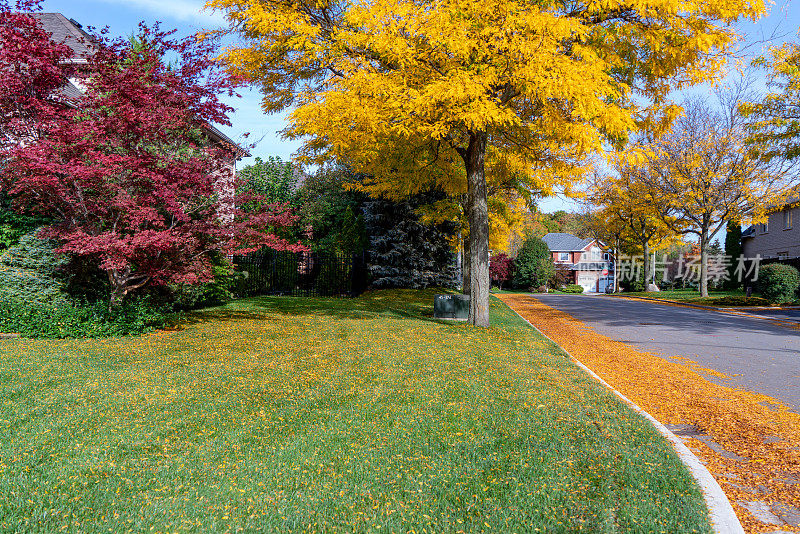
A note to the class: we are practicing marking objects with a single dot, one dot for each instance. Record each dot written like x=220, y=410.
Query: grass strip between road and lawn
x=757, y=428
x=716, y=299
x=300, y=414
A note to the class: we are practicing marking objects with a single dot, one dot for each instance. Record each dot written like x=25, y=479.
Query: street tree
x=471, y=96
x=625, y=204
x=733, y=250
x=775, y=120
x=604, y=225
x=702, y=173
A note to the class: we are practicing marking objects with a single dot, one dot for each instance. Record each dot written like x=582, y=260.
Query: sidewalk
x=749, y=442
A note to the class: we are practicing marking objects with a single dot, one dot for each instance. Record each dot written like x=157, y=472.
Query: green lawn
x=292, y=415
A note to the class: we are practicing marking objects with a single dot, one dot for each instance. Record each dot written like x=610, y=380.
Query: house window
x=787, y=219
x=764, y=227
x=563, y=256
x=594, y=254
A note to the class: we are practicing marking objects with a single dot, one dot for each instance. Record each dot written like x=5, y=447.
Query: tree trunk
x=646, y=254
x=704, y=261
x=478, y=217
x=118, y=288
x=465, y=261
x=123, y=281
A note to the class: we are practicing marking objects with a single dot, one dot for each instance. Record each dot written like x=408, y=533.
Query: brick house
x=779, y=237
x=588, y=263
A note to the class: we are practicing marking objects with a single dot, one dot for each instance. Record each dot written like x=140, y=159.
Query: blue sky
x=122, y=17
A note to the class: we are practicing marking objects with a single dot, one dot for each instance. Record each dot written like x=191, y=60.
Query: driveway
x=758, y=355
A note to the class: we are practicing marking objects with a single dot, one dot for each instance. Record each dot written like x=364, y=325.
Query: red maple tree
x=500, y=266
x=32, y=70
x=129, y=173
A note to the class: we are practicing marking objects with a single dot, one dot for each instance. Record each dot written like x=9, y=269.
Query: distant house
x=589, y=265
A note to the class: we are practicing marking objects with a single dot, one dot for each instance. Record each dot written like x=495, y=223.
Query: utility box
x=454, y=307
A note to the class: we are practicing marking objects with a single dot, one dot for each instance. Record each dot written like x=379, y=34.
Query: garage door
x=588, y=283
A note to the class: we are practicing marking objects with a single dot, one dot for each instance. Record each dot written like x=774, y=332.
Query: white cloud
x=183, y=10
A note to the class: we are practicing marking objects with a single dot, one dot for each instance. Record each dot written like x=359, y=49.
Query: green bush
x=632, y=286
x=533, y=266
x=219, y=291
x=14, y=225
x=778, y=282
x=30, y=272
x=71, y=320
x=572, y=288
x=34, y=301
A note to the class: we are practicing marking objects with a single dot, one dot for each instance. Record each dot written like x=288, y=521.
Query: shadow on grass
x=396, y=303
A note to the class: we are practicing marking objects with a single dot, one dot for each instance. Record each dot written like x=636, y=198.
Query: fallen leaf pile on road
x=756, y=428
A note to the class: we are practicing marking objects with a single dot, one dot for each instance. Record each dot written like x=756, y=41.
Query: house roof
x=565, y=242
x=217, y=136
x=69, y=94
x=69, y=32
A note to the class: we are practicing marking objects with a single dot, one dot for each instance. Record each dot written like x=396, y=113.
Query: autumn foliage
x=32, y=71
x=774, y=121
x=759, y=430
x=474, y=97
x=702, y=173
x=500, y=269
x=128, y=172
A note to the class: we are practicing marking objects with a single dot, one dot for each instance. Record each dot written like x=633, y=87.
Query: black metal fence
x=306, y=274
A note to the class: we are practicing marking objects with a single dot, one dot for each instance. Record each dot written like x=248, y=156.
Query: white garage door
x=587, y=282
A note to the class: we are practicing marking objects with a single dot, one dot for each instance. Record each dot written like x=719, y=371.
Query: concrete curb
x=723, y=518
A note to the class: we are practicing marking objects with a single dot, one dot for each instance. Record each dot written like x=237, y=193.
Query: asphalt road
x=783, y=315
x=757, y=354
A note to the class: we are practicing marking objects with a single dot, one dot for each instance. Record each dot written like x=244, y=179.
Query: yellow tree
x=610, y=230
x=506, y=223
x=625, y=203
x=463, y=94
x=702, y=173
x=775, y=121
